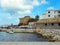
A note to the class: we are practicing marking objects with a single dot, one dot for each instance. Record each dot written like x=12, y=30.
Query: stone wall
x=20, y=30
x=48, y=26
x=24, y=20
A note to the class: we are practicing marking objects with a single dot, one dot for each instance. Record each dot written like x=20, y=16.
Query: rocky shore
x=53, y=35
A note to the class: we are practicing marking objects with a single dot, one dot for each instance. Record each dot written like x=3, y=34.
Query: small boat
x=11, y=31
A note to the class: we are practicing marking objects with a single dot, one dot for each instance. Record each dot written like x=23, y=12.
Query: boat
x=11, y=32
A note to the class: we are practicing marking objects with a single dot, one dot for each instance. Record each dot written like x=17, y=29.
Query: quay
x=19, y=30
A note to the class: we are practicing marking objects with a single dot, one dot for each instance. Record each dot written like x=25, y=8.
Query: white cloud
x=20, y=6
x=50, y=8
x=35, y=2
x=24, y=12
x=43, y=2
x=9, y=17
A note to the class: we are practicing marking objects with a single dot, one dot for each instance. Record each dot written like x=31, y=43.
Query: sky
x=12, y=10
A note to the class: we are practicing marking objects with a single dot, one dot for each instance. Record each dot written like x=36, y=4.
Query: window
x=59, y=24
x=58, y=11
x=45, y=24
x=48, y=11
x=52, y=24
x=48, y=15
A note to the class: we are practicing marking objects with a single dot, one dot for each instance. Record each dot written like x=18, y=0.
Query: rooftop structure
x=51, y=14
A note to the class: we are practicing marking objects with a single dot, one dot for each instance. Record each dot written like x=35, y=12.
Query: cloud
x=50, y=8
x=44, y=2
x=9, y=17
x=24, y=12
x=20, y=6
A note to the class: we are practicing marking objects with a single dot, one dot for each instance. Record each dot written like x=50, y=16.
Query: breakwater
x=52, y=35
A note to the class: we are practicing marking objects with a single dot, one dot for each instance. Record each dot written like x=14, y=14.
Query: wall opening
x=45, y=24
x=52, y=24
x=59, y=24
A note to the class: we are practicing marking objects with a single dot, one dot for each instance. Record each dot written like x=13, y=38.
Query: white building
x=32, y=24
x=51, y=14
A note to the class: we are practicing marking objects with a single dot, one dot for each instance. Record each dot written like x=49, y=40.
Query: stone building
x=51, y=14
x=24, y=20
x=50, y=20
x=52, y=23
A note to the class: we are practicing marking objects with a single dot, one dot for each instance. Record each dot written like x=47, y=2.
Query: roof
x=49, y=20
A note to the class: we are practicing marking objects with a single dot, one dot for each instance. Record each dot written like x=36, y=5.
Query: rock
x=57, y=38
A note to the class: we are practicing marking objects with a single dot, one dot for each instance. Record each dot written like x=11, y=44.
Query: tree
x=20, y=24
x=31, y=20
x=36, y=18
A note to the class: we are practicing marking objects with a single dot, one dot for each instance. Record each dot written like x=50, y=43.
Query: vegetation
x=36, y=18
x=30, y=20
x=20, y=24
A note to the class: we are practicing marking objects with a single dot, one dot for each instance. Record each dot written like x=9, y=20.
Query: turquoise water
x=20, y=37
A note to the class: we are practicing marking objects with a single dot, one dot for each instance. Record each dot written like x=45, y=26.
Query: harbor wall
x=21, y=30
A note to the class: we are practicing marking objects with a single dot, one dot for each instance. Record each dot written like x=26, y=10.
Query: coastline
x=51, y=35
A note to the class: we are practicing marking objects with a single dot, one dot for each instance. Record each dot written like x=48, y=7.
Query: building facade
x=51, y=14
x=32, y=25
x=52, y=23
x=51, y=20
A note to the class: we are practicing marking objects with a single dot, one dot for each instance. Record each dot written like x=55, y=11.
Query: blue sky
x=12, y=10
